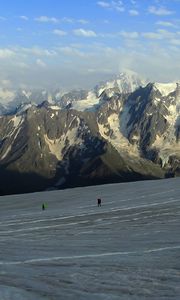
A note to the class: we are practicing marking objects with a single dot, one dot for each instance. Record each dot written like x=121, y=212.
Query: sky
x=77, y=43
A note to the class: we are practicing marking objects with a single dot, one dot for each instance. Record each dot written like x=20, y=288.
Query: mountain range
x=122, y=130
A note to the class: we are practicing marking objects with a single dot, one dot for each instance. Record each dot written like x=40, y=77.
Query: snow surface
x=165, y=88
x=56, y=145
x=127, y=81
x=55, y=107
x=127, y=249
x=166, y=143
x=17, y=122
x=87, y=103
x=118, y=140
x=6, y=152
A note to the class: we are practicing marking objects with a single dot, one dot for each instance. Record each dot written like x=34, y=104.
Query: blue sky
x=76, y=43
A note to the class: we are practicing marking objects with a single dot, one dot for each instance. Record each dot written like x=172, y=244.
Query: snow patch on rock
x=17, y=120
x=68, y=139
x=6, y=152
x=165, y=88
x=87, y=103
x=117, y=139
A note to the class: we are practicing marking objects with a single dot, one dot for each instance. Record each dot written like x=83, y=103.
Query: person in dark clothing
x=43, y=206
x=99, y=202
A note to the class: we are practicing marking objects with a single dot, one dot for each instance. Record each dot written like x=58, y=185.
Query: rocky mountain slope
x=11, y=99
x=109, y=134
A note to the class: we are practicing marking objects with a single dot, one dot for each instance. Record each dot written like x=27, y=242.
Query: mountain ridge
x=114, y=137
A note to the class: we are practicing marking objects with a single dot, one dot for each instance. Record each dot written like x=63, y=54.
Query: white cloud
x=82, y=21
x=160, y=34
x=133, y=12
x=71, y=51
x=40, y=63
x=38, y=51
x=5, y=83
x=25, y=18
x=165, y=24
x=59, y=32
x=160, y=11
x=103, y=4
x=166, y=34
x=45, y=19
x=22, y=65
x=72, y=21
x=67, y=20
x=117, y=5
x=94, y=63
x=175, y=42
x=6, y=53
x=152, y=35
x=85, y=33
x=106, y=22
x=129, y=35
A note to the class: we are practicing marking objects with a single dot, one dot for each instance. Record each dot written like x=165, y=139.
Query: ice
x=118, y=140
x=126, y=249
x=165, y=88
x=56, y=145
x=6, y=152
x=7, y=293
x=17, y=120
x=87, y=103
x=55, y=107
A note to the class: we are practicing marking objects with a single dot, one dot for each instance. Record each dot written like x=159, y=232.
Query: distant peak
x=165, y=88
x=129, y=72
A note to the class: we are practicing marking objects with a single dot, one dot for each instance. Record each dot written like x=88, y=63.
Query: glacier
x=127, y=249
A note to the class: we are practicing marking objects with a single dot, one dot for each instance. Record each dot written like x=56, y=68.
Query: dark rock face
x=146, y=118
x=127, y=136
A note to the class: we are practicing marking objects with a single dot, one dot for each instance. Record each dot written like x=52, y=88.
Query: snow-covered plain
x=127, y=249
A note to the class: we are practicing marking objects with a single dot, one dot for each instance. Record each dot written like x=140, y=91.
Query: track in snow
x=127, y=249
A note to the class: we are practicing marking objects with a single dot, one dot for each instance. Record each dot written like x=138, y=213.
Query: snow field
x=127, y=249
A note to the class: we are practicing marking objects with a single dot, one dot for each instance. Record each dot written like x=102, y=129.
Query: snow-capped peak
x=126, y=82
x=165, y=88
x=88, y=103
